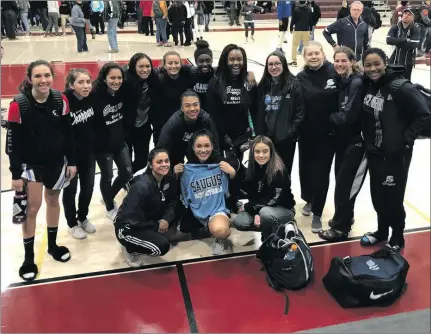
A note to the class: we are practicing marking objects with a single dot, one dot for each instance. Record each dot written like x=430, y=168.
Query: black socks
x=28, y=270
x=59, y=253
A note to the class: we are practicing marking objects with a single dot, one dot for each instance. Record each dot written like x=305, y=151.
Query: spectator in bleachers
x=344, y=11
x=405, y=37
x=398, y=13
x=352, y=31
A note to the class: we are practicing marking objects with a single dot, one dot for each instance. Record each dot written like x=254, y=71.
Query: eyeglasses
x=278, y=64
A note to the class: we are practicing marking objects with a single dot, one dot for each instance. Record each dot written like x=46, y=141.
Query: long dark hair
x=100, y=82
x=287, y=79
x=131, y=74
x=275, y=164
x=222, y=72
x=191, y=155
x=26, y=85
x=151, y=156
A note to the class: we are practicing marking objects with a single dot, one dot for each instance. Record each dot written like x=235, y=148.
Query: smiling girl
x=270, y=199
x=147, y=211
x=350, y=159
x=78, y=88
x=40, y=147
x=109, y=104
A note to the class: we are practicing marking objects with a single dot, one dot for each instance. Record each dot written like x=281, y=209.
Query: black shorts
x=283, y=24
x=52, y=176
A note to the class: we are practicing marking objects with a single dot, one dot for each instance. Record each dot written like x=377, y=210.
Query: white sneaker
x=111, y=214
x=133, y=260
x=246, y=40
x=218, y=247
x=77, y=232
x=252, y=38
x=87, y=226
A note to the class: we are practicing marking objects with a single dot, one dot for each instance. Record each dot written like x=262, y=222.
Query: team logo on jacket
x=330, y=84
x=207, y=186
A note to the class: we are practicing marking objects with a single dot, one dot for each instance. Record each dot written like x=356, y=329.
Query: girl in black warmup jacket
x=392, y=120
x=139, y=84
x=270, y=199
x=40, y=147
x=109, y=104
x=350, y=160
x=78, y=88
x=316, y=139
x=280, y=107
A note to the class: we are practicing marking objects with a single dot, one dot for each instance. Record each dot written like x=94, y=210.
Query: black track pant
x=388, y=180
x=178, y=29
x=349, y=179
x=286, y=151
x=85, y=165
x=141, y=240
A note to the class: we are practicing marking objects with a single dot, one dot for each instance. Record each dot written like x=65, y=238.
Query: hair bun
x=202, y=44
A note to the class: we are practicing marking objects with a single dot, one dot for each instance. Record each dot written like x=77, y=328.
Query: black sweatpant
x=139, y=144
x=141, y=240
x=408, y=71
x=86, y=165
x=286, y=151
x=178, y=29
x=97, y=21
x=305, y=150
x=349, y=178
x=147, y=25
x=388, y=181
x=105, y=161
x=10, y=23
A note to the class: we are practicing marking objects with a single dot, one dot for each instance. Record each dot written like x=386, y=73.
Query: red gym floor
x=13, y=75
x=225, y=295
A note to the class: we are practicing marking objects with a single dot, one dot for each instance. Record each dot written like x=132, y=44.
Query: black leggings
x=139, y=143
x=249, y=25
x=86, y=166
x=105, y=161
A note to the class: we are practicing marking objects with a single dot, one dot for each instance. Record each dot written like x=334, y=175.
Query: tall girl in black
x=390, y=127
x=78, y=88
x=40, y=147
x=316, y=140
x=109, y=104
x=139, y=83
x=350, y=159
x=230, y=98
x=173, y=80
x=280, y=107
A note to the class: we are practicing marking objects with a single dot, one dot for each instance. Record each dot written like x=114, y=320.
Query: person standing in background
x=209, y=7
x=300, y=27
x=77, y=21
x=344, y=11
x=23, y=6
x=398, y=13
x=9, y=10
x=159, y=11
x=97, y=8
x=112, y=15
x=53, y=15
x=284, y=11
x=147, y=22
x=405, y=37
x=65, y=12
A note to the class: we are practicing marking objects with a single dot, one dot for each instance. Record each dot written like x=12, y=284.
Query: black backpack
x=281, y=272
x=377, y=279
x=395, y=86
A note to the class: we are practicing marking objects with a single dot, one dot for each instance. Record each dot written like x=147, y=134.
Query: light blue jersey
x=203, y=189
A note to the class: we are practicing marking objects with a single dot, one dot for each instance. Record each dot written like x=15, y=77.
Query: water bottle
x=290, y=230
x=291, y=253
x=19, y=207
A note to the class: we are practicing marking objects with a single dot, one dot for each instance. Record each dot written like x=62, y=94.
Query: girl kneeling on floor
x=270, y=199
x=147, y=211
x=204, y=186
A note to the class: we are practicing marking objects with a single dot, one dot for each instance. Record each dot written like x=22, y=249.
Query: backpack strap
x=22, y=101
x=58, y=98
x=396, y=84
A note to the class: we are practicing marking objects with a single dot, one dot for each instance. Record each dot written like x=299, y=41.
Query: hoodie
x=302, y=18
x=390, y=122
x=261, y=194
x=321, y=99
x=346, y=120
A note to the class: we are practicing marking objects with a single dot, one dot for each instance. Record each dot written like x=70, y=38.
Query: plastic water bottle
x=19, y=208
x=290, y=230
x=291, y=254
